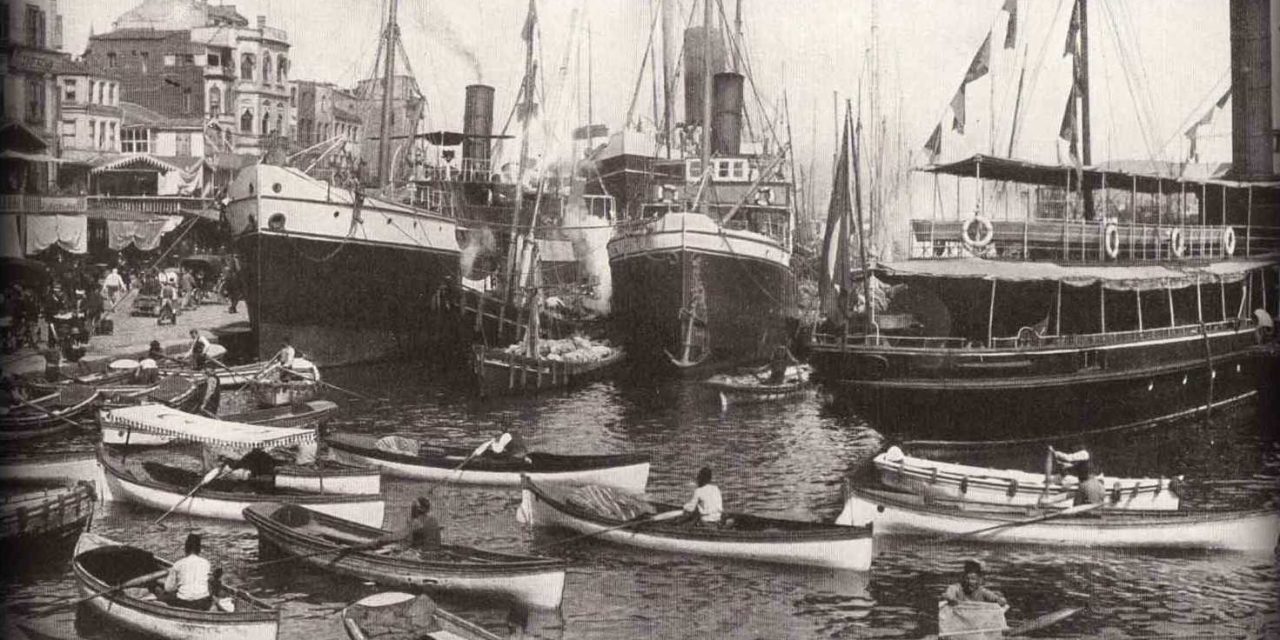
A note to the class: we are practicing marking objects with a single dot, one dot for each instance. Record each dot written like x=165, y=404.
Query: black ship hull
x=1019, y=395
x=684, y=308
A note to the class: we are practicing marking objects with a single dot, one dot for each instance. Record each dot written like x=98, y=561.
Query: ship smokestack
x=726, y=114
x=1252, y=152
x=695, y=40
x=477, y=120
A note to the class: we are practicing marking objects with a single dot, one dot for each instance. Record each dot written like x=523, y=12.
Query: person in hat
x=420, y=533
x=971, y=589
x=187, y=583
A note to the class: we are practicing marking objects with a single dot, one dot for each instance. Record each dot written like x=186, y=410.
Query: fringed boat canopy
x=160, y=420
x=1128, y=278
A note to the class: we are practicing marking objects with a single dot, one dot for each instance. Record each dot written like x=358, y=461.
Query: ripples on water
x=783, y=460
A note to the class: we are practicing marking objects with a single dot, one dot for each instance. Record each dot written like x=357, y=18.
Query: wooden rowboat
x=743, y=537
x=1010, y=487
x=57, y=412
x=50, y=467
x=749, y=389
x=393, y=615
x=38, y=521
x=298, y=383
x=304, y=416
x=530, y=580
x=894, y=512
x=101, y=563
x=500, y=372
x=164, y=487
x=414, y=460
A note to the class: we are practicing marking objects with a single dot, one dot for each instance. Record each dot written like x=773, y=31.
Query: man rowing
x=187, y=584
x=505, y=445
x=971, y=588
x=421, y=533
x=706, y=507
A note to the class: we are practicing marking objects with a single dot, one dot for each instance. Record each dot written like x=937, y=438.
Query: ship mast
x=513, y=253
x=388, y=87
x=704, y=208
x=1082, y=75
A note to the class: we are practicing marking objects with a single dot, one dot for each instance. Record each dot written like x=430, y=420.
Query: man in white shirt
x=507, y=444
x=706, y=504
x=113, y=284
x=187, y=585
x=199, y=350
x=285, y=355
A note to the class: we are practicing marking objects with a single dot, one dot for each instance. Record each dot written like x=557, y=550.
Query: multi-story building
x=89, y=123
x=31, y=33
x=186, y=58
x=326, y=111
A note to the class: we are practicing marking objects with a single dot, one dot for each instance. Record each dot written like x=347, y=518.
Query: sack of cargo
x=610, y=502
x=397, y=444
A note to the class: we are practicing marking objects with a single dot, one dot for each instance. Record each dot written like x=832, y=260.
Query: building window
x=170, y=60
x=246, y=66
x=246, y=121
x=183, y=142
x=102, y=93
x=293, y=96
x=111, y=60
x=266, y=68
x=266, y=123
x=282, y=69
x=280, y=123
x=102, y=135
x=35, y=26
x=69, y=133
x=187, y=59
x=69, y=90
x=35, y=101
x=186, y=100
x=93, y=131
x=213, y=60
x=113, y=100
x=111, y=137
x=134, y=141
x=146, y=57
x=215, y=101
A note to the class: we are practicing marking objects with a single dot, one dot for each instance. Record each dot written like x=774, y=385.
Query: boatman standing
x=187, y=584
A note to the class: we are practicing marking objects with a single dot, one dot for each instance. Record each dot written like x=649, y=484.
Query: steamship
x=1109, y=304
x=701, y=257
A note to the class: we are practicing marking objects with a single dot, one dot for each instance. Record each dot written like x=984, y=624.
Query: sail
x=833, y=280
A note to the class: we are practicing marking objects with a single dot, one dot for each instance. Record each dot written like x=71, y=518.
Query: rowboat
x=101, y=563
x=304, y=416
x=186, y=393
x=750, y=389
x=49, y=467
x=894, y=512
x=530, y=580
x=36, y=521
x=299, y=382
x=236, y=376
x=408, y=458
x=393, y=615
x=742, y=536
x=165, y=487
x=1011, y=487
x=501, y=372
x=47, y=415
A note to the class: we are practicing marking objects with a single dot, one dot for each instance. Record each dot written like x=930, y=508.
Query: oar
x=212, y=475
x=457, y=469
x=1069, y=511
x=47, y=412
x=1044, y=621
x=327, y=384
x=666, y=515
x=140, y=580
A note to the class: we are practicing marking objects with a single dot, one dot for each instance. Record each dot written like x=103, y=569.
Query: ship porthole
x=1237, y=368
x=336, y=214
x=276, y=222
x=1184, y=379
x=1213, y=374
x=277, y=187
x=250, y=188
x=1151, y=385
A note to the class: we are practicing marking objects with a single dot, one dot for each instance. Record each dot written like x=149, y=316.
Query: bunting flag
x=981, y=62
x=1011, y=34
x=1068, y=129
x=1073, y=29
x=957, y=109
x=530, y=22
x=1193, y=132
x=833, y=280
x=934, y=144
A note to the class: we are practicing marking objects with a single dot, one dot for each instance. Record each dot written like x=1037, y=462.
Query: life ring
x=764, y=197
x=1177, y=243
x=1229, y=241
x=988, y=231
x=668, y=194
x=1111, y=240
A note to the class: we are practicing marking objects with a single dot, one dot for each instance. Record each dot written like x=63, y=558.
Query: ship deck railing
x=1079, y=240
x=1029, y=340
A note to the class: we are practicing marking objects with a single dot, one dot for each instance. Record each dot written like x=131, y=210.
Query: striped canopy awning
x=142, y=160
x=161, y=420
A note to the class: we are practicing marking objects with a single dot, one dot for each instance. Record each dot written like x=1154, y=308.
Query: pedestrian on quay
x=113, y=284
x=187, y=583
x=232, y=288
x=186, y=286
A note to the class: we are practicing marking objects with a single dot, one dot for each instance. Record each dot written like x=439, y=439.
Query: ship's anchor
x=689, y=319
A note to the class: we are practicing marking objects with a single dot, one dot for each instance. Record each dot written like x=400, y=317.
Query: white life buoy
x=764, y=197
x=988, y=231
x=1229, y=241
x=1177, y=243
x=1111, y=240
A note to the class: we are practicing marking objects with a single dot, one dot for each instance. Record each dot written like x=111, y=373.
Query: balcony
x=22, y=203
x=163, y=205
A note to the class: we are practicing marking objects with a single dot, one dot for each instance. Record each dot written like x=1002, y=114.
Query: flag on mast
x=1011, y=33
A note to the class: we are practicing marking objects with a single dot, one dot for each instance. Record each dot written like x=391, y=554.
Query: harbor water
x=783, y=460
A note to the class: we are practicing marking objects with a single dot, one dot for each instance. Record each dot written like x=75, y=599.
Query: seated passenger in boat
x=421, y=533
x=507, y=444
x=782, y=359
x=284, y=357
x=970, y=588
x=1065, y=462
x=187, y=583
x=706, y=506
x=1090, y=490
x=256, y=466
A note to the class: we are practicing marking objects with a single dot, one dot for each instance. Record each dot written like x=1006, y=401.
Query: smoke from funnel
x=590, y=237
x=480, y=242
x=438, y=25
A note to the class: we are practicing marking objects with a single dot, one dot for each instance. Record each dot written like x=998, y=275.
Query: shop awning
x=1126, y=278
x=136, y=161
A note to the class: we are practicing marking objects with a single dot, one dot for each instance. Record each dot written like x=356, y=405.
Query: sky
x=803, y=49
